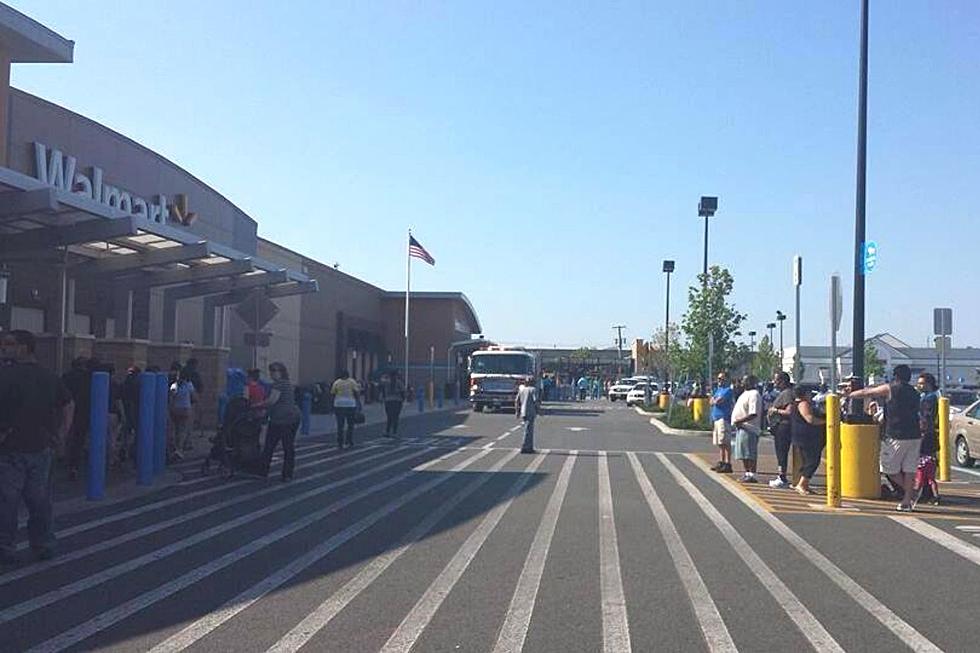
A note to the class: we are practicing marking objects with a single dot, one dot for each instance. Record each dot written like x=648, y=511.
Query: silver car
x=964, y=433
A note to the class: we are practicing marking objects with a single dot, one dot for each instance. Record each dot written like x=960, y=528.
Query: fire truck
x=495, y=374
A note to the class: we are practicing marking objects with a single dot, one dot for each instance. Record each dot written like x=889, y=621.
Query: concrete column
x=4, y=105
x=169, y=318
x=208, y=322
x=122, y=312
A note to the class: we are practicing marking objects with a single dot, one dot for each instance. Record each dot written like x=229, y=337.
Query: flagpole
x=408, y=292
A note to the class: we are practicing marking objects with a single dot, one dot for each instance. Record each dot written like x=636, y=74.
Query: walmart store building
x=109, y=250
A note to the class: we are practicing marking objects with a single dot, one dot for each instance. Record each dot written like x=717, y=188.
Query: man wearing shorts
x=900, y=447
x=747, y=421
x=722, y=402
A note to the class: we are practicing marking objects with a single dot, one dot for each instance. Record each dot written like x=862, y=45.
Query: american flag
x=415, y=249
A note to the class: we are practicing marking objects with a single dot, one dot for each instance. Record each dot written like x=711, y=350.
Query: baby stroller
x=235, y=448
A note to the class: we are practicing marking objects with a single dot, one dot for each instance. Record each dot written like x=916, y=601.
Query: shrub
x=653, y=408
x=681, y=418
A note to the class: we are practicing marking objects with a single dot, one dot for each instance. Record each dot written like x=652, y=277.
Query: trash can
x=699, y=409
x=859, y=475
x=663, y=400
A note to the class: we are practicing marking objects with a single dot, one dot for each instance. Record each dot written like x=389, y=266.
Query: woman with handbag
x=346, y=401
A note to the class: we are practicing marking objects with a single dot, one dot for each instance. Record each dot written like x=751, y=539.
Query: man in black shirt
x=35, y=412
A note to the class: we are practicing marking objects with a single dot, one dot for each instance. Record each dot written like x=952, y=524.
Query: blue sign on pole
x=870, y=257
x=160, y=396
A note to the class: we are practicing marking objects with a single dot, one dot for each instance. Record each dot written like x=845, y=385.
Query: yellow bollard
x=833, y=451
x=699, y=409
x=859, y=475
x=663, y=401
x=943, y=439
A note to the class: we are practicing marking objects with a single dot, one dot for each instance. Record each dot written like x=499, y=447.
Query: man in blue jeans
x=35, y=413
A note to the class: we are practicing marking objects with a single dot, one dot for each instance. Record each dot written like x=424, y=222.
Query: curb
x=661, y=426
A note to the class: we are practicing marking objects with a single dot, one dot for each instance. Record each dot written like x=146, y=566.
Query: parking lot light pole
x=668, y=268
x=752, y=335
x=706, y=208
x=857, y=336
x=771, y=326
x=619, y=348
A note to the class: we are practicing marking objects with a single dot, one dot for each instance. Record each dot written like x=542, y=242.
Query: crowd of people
x=907, y=417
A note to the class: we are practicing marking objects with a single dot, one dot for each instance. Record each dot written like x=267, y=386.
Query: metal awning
x=129, y=250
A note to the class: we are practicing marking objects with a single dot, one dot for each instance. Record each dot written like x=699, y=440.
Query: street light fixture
x=780, y=317
x=771, y=326
x=706, y=208
x=752, y=340
x=668, y=268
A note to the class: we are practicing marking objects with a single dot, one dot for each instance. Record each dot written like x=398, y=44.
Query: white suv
x=621, y=388
x=637, y=396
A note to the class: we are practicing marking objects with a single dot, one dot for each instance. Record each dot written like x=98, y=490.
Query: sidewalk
x=69, y=496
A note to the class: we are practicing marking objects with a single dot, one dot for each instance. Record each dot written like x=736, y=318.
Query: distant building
x=962, y=363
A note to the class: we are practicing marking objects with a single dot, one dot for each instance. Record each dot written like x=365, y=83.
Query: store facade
x=109, y=250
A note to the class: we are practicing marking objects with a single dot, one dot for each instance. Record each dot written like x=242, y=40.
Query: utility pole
x=619, y=348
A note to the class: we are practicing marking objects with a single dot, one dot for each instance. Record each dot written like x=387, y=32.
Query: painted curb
x=662, y=427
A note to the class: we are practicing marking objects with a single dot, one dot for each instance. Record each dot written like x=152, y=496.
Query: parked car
x=621, y=388
x=637, y=396
x=964, y=431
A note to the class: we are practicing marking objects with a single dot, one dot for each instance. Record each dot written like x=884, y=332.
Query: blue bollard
x=98, y=426
x=420, y=398
x=439, y=397
x=160, y=392
x=144, y=436
x=305, y=416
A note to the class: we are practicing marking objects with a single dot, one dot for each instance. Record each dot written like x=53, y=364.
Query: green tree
x=710, y=314
x=658, y=359
x=765, y=361
x=873, y=366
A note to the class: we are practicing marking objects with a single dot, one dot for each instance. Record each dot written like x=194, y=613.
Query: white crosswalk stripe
x=94, y=580
x=912, y=637
x=713, y=628
x=514, y=630
x=156, y=527
x=812, y=629
x=153, y=506
x=407, y=633
x=89, y=628
x=390, y=487
x=205, y=625
x=941, y=537
x=304, y=631
x=615, y=624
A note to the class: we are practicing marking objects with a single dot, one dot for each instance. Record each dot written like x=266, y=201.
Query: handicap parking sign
x=870, y=256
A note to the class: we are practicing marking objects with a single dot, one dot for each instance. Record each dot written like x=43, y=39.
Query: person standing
x=526, y=406
x=747, y=422
x=284, y=417
x=899, y=456
x=183, y=394
x=36, y=410
x=807, y=436
x=722, y=403
x=393, y=396
x=78, y=380
x=583, y=387
x=779, y=426
x=925, y=473
x=345, y=393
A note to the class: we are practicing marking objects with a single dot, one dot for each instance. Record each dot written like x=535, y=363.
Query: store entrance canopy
x=128, y=250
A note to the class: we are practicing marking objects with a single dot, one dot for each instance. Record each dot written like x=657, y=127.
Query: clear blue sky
x=550, y=155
